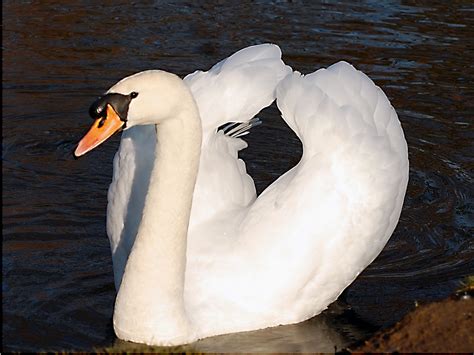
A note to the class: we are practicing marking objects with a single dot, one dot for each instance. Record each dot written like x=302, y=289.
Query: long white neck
x=150, y=302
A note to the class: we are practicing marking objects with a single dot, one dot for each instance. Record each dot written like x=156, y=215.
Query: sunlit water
x=57, y=283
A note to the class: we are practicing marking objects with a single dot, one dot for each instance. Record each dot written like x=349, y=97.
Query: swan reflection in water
x=322, y=333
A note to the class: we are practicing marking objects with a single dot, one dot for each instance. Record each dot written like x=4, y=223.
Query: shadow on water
x=58, y=288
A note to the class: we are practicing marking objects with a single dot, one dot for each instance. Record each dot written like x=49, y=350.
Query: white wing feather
x=239, y=87
x=235, y=89
x=311, y=232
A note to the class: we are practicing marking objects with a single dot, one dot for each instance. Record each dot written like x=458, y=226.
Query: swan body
x=195, y=252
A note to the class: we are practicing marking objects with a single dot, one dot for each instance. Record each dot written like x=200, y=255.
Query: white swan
x=245, y=262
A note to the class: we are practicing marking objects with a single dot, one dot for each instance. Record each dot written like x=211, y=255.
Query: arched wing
x=238, y=87
x=353, y=143
x=233, y=90
x=311, y=232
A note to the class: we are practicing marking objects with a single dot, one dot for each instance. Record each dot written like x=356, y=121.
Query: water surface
x=57, y=284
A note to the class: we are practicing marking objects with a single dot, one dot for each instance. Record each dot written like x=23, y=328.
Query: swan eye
x=133, y=94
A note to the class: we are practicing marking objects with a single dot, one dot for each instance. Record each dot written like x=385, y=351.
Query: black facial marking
x=101, y=122
x=119, y=102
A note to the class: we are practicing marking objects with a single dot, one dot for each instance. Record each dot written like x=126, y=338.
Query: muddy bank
x=445, y=326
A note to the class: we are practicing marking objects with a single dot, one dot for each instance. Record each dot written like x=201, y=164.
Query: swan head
x=148, y=97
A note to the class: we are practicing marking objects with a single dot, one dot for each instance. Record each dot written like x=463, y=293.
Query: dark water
x=57, y=283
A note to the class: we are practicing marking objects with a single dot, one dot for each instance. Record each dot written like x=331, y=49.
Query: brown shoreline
x=444, y=326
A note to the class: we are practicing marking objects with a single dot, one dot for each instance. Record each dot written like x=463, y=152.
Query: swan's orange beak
x=102, y=129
